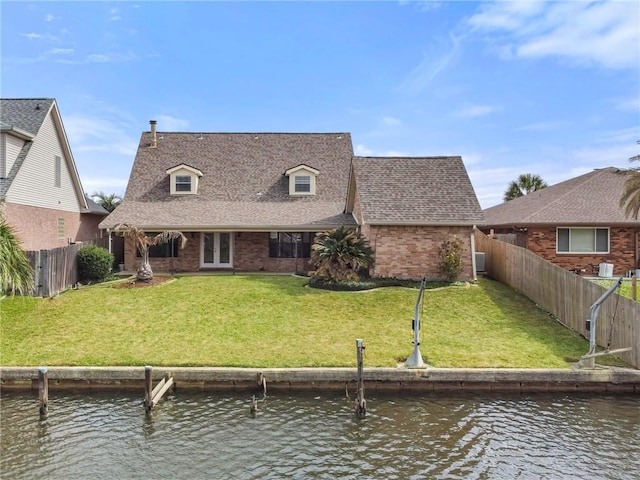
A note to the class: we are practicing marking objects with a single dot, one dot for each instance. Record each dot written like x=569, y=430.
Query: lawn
x=625, y=288
x=275, y=321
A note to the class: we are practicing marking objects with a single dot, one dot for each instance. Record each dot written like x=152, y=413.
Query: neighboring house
x=40, y=188
x=576, y=224
x=254, y=202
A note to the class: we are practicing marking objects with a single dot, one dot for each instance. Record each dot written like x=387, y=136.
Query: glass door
x=216, y=250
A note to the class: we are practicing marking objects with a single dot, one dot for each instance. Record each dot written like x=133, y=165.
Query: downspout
x=473, y=253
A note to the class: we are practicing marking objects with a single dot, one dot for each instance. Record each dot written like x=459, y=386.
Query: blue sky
x=513, y=87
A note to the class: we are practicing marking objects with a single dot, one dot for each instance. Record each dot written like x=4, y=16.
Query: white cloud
x=362, y=150
x=544, y=125
x=431, y=65
x=50, y=18
x=167, y=123
x=390, y=121
x=605, y=34
x=475, y=111
x=93, y=134
x=104, y=184
x=61, y=51
x=631, y=103
x=31, y=36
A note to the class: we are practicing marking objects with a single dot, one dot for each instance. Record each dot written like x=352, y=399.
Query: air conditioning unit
x=606, y=270
x=479, y=261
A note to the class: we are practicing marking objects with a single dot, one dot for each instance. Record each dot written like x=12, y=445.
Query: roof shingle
x=416, y=190
x=590, y=199
x=243, y=183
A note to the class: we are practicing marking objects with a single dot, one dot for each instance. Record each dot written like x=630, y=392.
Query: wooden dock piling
x=361, y=403
x=43, y=391
x=152, y=395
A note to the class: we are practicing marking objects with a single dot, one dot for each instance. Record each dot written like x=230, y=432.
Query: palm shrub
x=340, y=255
x=143, y=242
x=451, y=258
x=94, y=263
x=16, y=274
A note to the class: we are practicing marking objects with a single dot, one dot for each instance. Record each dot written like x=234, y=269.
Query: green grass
x=625, y=288
x=274, y=321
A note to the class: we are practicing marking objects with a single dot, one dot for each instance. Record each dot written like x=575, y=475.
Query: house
x=254, y=202
x=40, y=188
x=577, y=224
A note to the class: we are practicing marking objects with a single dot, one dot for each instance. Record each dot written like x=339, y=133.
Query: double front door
x=216, y=250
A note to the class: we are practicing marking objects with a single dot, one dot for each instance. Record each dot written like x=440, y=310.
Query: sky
x=548, y=88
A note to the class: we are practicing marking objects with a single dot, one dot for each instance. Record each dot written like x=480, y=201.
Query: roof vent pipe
x=154, y=138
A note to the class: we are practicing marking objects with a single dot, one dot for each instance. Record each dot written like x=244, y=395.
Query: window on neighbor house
x=164, y=250
x=57, y=173
x=290, y=244
x=582, y=240
x=183, y=183
x=302, y=184
x=61, y=228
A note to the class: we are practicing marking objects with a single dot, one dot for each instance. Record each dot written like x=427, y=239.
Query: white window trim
x=570, y=252
x=183, y=170
x=302, y=171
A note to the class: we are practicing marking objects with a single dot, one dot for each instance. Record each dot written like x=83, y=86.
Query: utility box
x=606, y=270
x=479, y=261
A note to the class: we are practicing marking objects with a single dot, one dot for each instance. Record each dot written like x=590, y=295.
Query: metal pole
x=415, y=360
x=588, y=360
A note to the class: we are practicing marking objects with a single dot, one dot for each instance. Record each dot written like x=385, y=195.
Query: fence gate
x=54, y=270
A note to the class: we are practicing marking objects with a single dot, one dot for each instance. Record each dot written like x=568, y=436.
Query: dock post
x=148, y=388
x=361, y=403
x=43, y=391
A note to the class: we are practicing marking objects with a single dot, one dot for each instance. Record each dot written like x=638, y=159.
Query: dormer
x=302, y=180
x=184, y=179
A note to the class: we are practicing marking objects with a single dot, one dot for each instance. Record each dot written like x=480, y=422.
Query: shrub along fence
x=565, y=295
x=54, y=270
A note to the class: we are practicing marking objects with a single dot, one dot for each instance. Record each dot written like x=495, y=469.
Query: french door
x=216, y=250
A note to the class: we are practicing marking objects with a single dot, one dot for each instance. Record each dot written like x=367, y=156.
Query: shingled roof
x=590, y=199
x=23, y=117
x=26, y=114
x=243, y=184
x=415, y=191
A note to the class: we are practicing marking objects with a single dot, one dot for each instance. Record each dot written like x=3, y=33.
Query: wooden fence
x=565, y=295
x=54, y=270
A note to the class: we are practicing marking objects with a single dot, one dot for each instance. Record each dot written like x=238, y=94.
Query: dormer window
x=302, y=184
x=184, y=179
x=183, y=183
x=302, y=180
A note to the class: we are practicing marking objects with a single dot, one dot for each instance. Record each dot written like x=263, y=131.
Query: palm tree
x=630, y=199
x=340, y=254
x=16, y=274
x=143, y=242
x=108, y=202
x=526, y=183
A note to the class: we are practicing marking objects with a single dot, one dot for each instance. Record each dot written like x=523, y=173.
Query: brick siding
x=542, y=241
x=250, y=254
x=37, y=227
x=414, y=251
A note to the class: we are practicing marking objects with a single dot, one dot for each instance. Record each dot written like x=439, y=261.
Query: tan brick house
x=577, y=224
x=254, y=202
x=40, y=189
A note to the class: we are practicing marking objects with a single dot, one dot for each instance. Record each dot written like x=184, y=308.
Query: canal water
x=307, y=436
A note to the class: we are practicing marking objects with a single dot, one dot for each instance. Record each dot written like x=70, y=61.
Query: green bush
x=94, y=263
x=451, y=258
